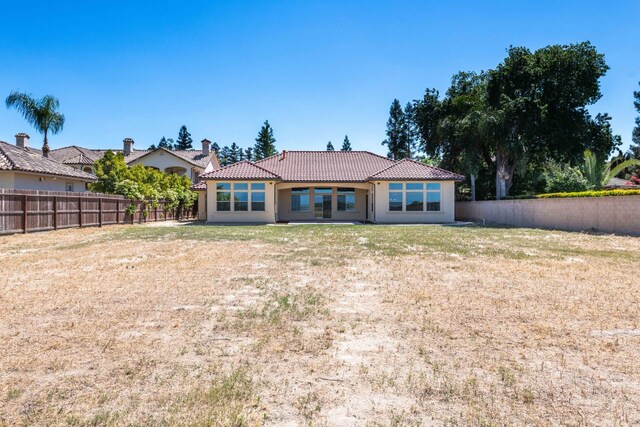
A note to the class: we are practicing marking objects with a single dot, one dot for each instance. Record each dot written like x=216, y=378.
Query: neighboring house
x=25, y=168
x=329, y=186
x=182, y=162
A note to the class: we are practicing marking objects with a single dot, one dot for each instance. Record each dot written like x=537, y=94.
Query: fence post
x=156, y=214
x=25, y=198
x=117, y=211
x=133, y=212
x=55, y=212
x=100, y=212
x=80, y=212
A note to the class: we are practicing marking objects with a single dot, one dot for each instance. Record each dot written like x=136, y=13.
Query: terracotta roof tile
x=331, y=166
x=410, y=169
x=325, y=166
x=199, y=186
x=31, y=160
x=241, y=170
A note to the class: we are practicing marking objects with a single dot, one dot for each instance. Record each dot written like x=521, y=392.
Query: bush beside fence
x=23, y=211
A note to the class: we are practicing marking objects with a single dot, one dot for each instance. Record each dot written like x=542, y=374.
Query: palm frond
x=611, y=173
x=25, y=105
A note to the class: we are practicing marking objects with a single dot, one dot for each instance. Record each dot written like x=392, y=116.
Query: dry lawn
x=319, y=325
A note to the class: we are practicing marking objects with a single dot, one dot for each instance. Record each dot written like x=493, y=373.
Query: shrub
x=598, y=193
x=563, y=178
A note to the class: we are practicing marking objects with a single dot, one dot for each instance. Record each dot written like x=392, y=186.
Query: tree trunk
x=473, y=188
x=45, y=146
x=504, y=174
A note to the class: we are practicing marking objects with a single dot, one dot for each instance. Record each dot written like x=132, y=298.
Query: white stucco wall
x=6, y=179
x=266, y=217
x=22, y=181
x=384, y=216
x=163, y=160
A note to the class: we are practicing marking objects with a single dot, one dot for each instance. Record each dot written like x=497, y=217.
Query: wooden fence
x=24, y=211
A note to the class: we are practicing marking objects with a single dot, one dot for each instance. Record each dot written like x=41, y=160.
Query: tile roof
x=69, y=155
x=410, y=169
x=325, y=166
x=31, y=160
x=241, y=170
x=199, y=186
x=331, y=166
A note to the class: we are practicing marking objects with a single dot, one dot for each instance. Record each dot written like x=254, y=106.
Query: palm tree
x=599, y=174
x=40, y=113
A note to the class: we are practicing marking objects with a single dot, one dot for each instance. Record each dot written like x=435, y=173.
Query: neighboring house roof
x=244, y=169
x=14, y=158
x=199, y=186
x=331, y=166
x=70, y=155
x=410, y=169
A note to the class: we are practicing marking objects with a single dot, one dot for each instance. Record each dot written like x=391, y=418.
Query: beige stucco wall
x=202, y=205
x=608, y=214
x=268, y=216
x=23, y=181
x=384, y=216
x=284, y=203
x=163, y=160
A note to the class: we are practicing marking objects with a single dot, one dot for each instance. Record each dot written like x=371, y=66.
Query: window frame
x=300, y=191
x=405, y=188
x=346, y=192
x=241, y=187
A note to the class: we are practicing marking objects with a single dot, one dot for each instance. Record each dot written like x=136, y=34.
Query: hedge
x=591, y=193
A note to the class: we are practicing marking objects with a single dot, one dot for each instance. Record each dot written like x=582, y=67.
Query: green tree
x=411, y=131
x=636, y=130
x=512, y=120
x=41, y=113
x=184, y=141
x=265, y=143
x=248, y=153
x=166, y=143
x=396, y=130
x=142, y=183
x=599, y=173
x=235, y=154
x=346, y=145
x=215, y=148
x=225, y=156
x=330, y=146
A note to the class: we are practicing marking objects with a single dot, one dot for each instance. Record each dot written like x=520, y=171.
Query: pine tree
x=396, y=132
x=346, y=145
x=411, y=131
x=265, y=143
x=215, y=148
x=636, y=130
x=234, y=153
x=152, y=147
x=248, y=154
x=184, y=141
x=166, y=143
x=225, y=156
x=330, y=146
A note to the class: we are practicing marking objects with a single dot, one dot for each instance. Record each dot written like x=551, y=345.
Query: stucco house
x=182, y=162
x=328, y=186
x=26, y=168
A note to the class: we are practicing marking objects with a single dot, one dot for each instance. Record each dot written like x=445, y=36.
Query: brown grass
x=319, y=325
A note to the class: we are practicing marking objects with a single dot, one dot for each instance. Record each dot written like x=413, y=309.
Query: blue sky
x=317, y=70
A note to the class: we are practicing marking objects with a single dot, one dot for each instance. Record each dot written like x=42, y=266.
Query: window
x=223, y=196
x=240, y=196
x=257, y=196
x=433, y=197
x=299, y=199
x=415, y=197
x=395, y=196
x=347, y=199
x=68, y=186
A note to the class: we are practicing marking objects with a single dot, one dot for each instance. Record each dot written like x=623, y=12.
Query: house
x=182, y=162
x=26, y=168
x=329, y=186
